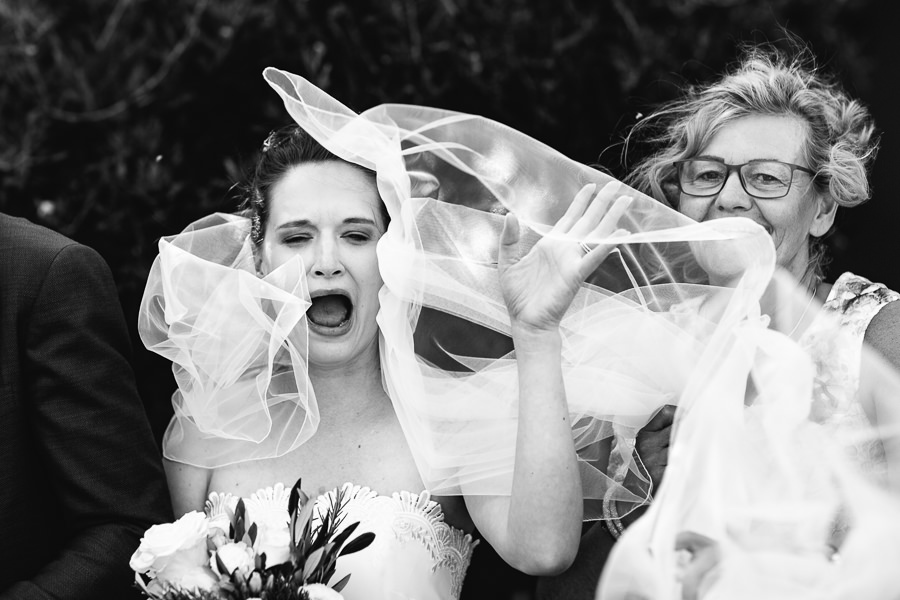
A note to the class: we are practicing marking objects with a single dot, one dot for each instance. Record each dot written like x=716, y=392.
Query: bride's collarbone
x=373, y=454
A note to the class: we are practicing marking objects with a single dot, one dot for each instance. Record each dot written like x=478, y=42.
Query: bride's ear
x=826, y=209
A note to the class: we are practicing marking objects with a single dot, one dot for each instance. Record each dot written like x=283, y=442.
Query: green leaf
x=312, y=562
x=239, y=515
x=328, y=569
x=294, y=499
x=340, y=538
x=340, y=584
x=251, y=533
x=327, y=553
x=358, y=544
x=302, y=520
x=221, y=566
x=324, y=532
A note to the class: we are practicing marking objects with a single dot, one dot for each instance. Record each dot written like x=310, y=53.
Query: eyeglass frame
x=737, y=168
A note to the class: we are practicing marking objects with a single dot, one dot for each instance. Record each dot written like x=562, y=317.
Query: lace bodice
x=415, y=554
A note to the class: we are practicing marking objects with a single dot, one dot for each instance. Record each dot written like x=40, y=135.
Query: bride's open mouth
x=331, y=313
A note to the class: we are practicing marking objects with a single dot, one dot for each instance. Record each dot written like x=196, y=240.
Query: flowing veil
x=645, y=329
x=237, y=343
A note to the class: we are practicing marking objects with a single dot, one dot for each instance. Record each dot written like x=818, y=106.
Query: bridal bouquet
x=258, y=552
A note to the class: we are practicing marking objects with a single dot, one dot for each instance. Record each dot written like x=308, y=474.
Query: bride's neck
x=354, y=385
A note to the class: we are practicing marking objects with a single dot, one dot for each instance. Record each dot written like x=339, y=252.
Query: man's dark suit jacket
x=81, y=478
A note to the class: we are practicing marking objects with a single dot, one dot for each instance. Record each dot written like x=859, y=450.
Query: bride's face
x=329, y=214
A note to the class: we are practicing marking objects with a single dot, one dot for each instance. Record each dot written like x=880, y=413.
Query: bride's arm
x=187, y=485
x=537, y=528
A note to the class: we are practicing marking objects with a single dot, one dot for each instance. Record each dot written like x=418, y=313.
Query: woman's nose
x=732, y=196
x=327, y=260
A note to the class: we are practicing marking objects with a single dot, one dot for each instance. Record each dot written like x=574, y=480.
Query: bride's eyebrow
x=360, y=221
x=295, y=223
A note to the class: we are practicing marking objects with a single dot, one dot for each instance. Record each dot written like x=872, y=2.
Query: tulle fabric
x=237, y=343
x=769, y=497
x=631, y=340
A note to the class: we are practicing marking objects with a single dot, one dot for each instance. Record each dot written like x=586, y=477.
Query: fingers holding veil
x=599, y=222
x=539, y=286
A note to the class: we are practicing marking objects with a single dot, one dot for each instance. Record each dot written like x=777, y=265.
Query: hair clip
x=270, y=141
x=256, y=229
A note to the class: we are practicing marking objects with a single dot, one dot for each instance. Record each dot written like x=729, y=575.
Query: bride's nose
x=327, y=260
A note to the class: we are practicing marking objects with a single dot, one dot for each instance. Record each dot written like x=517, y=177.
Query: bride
x=309, y=238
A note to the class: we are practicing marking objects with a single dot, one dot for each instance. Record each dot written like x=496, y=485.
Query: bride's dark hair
x=282, y=150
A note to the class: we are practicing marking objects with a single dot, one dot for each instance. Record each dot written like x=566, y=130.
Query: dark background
x=123, y=121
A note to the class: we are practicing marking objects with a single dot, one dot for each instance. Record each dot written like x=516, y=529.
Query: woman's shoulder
x=857, y=300
x=852, y=292
x=883, y=332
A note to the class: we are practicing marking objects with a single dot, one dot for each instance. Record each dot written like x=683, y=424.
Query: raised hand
x=537, y=527
x=539, y=287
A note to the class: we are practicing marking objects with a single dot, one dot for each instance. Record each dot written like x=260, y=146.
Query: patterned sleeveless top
x=853, y=302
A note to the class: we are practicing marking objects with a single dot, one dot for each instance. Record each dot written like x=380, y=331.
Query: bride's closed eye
x=295, y=239
x=358, y=237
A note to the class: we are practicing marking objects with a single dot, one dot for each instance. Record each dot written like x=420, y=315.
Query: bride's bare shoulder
x=188, y=486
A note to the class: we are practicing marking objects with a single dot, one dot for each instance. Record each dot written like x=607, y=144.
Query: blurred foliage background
x=124, y=120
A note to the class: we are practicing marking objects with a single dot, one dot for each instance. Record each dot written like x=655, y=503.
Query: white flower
x=176, y=553
x=169, y=542
x=184, y=577
x=234, y=555
x=319, y=591
x=274, y=538
x=267, y=508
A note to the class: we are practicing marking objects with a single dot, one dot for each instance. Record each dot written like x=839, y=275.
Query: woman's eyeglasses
x=759, y=178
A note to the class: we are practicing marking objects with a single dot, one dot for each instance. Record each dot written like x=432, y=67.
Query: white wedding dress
x=415, y=554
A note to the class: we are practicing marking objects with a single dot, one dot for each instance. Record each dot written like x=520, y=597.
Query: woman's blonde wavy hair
x=840, y=140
